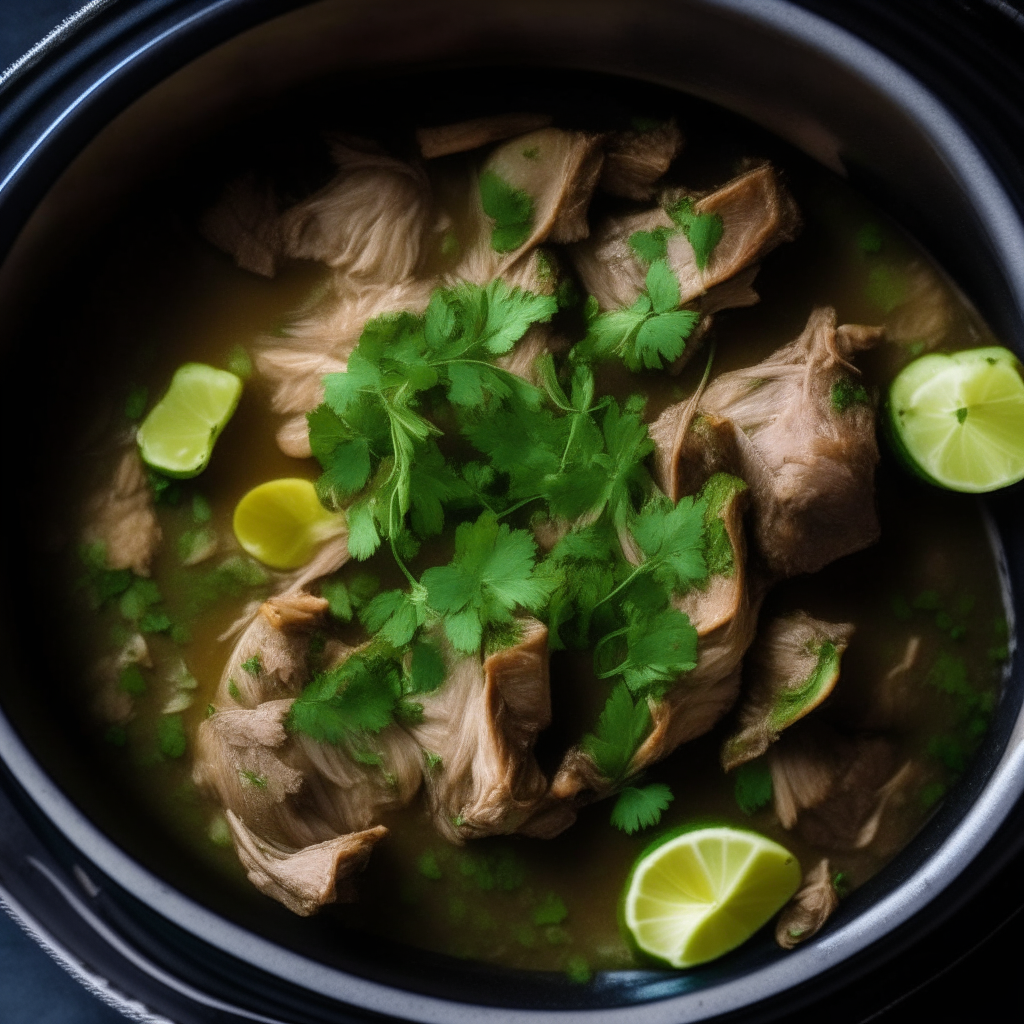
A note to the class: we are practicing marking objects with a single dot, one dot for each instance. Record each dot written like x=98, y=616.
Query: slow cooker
x=920, y=105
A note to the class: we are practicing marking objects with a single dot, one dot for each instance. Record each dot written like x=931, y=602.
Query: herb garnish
x=510, y=208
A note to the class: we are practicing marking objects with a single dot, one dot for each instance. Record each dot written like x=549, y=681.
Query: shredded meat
x=635, y=160
x=483, y=723
x=245, y=224
x=792, y=668
x=479, y=131
x=813, y=904
x=306, y=879
x=122, y=517
x=808, y=457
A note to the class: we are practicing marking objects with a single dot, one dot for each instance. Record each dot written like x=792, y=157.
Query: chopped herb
x=426, y=668
x=251, y=778
x=339, y=603
x=434, y=761
x=101, y=583
x=165, y=491
x=233, y=691
x=510, y=208
x=201, y=511
x=170, y=732
x=525, y=936
x=154, y=622
x=841, y=884
x=950, y=752
x=239, y=362
x=556, y=936
x=253, y=665
x=931, y=794
x=637, y=809
x=196, y=546
x=210, y=710
x=531, y=152
x=621, y=727
x=649, y=246
x=702, y=230
x=846, y=392
x=753, y=786
x=577, y=969
x=132, y=681
x=138, y=598
x=551, y=910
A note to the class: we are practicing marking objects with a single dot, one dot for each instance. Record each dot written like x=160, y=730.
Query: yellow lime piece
x=282, y=523
x=959, y=419
x=700, y=894
x=178, y=435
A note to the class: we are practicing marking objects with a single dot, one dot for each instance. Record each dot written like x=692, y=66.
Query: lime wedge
x=282, y=523
x=698, y=895
x=958, y=420
x=177, y=436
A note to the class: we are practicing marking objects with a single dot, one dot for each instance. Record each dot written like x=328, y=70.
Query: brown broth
x=933, y=576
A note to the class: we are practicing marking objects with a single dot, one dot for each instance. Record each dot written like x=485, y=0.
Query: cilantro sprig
x=703, y=230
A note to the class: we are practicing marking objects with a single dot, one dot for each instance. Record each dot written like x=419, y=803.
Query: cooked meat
x=690, y=448
x=483, y=723
x=805, y=433
x=757, y=215
x=792, y=668
x=834, y=789
x=288, y=611
x=724, y=614
x=245, y=224
x=478, y=131
x=122, y=517
x=635, y=160
x=320, y=342
x=923, y=313
x=809, y=909
x=305, y=879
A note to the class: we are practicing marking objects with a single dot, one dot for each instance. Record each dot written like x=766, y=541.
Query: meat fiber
x=635, y=160
x=805, y=914
x=464, y=136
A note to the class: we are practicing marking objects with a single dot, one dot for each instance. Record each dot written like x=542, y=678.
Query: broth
x=165, y=297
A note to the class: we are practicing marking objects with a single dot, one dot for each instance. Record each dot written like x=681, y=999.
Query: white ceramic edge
x=996, y=212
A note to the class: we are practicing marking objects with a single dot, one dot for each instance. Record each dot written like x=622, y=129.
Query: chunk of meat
x=289, y=611
x=923, y=313
x=690, y=448
x=635, y=160
x=757, y=214
x=814, y=903
x=305, y=879
x=724, y=614
x=245, y=223
x=793, y=666
x=121, y=516
x=483, y=723
x=833, y=789
x=476, y=132
x=805, y=439
x=109, y=700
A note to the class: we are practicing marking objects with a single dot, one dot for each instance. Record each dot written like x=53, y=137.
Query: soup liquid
x=552, y=905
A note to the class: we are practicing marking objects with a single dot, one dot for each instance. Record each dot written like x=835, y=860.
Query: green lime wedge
x=178, y=435
x=698, y=895
x=958, y=420
x=282, y=523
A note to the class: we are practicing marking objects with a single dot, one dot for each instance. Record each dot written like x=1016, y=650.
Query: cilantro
x=887, y=287
x=339, y=602
x=358, y=696
x=672, y=539
x=841, y=884
x=433, y=761
x=155, y=622
x=649, y=246
x=201, y=511
x=753, y=786
x=659, y=649
x=165, y=491
x=135, y=403
x=647, y=333
x=702, y=230
x=555, y=936
x=636, y=809
x=234, y=692
x=239, y=362
x=196, y=546
x=950, y=752
x=577, y=969
x=103, y=584
x=621, y=727
x=395, y=615
x=253, y=665
x=252, y=778
x=715, y=495
x=426, y=670
x=510, y=208
x=230, y=579
x=846, y=392
x=551, y=910
x=171, y=739
x=132, y=681
x=491, y=575
x=138, y=598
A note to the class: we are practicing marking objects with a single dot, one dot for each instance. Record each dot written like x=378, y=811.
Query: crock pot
x=918, y=108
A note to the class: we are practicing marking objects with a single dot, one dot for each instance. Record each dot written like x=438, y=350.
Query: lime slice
x=282, y=523
x=700, y=894
x=177, y=436
x=958, y=420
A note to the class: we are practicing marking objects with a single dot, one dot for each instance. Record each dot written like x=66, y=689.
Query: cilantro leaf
x=753, y=786
x=426, y=668
x=659, y=649
x=395, y=615
x=510, y=208
x=649, y=246
x=491, y=575
x=637, y=809
x=662, y=287
x=703, y=230
x=672, y=538
x=170, y=734
x=359, y=696
x=621, y=728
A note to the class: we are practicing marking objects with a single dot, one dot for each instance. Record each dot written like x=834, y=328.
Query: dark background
x=969, y=968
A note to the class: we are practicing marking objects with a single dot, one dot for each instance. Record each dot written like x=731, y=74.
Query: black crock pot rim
x=1005, y=785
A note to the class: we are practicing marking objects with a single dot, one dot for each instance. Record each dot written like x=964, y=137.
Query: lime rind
x=178, y=435
x=696, y=895
x=282, y=523
x=958, y=420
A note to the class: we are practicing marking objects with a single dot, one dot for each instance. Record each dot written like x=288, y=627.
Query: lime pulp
x=178, y=435
x=701, y=894
x=958, y=419
x=282, y=523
